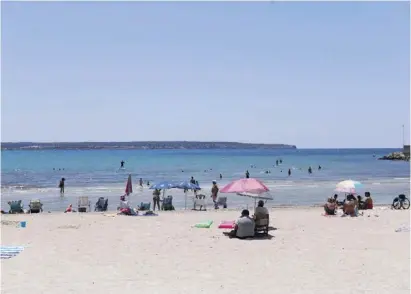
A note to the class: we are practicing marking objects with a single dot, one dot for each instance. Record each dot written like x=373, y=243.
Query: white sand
x=309, y=253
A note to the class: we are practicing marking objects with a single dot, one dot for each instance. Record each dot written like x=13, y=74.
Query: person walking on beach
x=289, y=172
x=61, y=185
x=122, y=164
x=221, y=176
x=247, y=175
x=310, y=170
x=156, y=199
x=214, y=193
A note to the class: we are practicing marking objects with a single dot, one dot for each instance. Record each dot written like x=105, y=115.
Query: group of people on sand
x=245, y=226
x=350, y=205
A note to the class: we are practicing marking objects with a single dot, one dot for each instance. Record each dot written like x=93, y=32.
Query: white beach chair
x=222, y=200
x=200, y=201
x=83, y=203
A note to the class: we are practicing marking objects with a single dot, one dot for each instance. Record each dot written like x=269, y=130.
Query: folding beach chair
x=261, y=224
x=83, y=204
x=144, y=206
x=222, y=201
x=200, y=200
x=16, y=206
x=35, y=206
x=101, y=204
x=168, y=203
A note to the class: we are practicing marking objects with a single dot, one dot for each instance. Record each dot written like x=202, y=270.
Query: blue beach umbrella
x=163, y=186
x=187, y=185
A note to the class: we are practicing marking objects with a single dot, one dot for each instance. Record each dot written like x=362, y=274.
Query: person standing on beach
x=141, y=182
x=122, y=164
x=156, y=199
x=214, y=193
x=247, y=175
x=310, y=170
x=221, y=176
x=289, y=172
x=61, y=185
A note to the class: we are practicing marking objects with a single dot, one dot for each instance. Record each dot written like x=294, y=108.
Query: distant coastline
x=141, y=145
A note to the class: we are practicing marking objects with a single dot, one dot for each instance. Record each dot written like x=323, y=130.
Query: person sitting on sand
x=69, y=209
x=361, y=203
x=369, y=204
x=330, y=207
x=351, y=206
x=244, y=226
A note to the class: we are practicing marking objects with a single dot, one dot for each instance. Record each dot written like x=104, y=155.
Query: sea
x=28, y=174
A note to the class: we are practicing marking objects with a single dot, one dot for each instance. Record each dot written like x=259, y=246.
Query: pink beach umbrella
x=129, y=186
x=245, y=186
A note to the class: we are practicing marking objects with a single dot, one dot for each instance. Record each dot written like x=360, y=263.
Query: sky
x=316, y=75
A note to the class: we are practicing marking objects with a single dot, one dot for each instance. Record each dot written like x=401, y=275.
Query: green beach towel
x=206, y=224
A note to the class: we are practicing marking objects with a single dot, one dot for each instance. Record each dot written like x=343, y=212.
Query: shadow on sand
x=256, y=237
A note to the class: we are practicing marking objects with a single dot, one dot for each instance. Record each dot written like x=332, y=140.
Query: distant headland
x=139, y=145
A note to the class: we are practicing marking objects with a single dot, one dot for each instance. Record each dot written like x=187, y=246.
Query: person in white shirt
x=245, y=226
x=260, y=211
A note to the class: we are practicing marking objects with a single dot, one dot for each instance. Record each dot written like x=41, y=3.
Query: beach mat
x=10, y=251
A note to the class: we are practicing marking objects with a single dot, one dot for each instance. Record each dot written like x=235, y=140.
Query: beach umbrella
x=129, y=186
x=186, y=185
x=348, y=186
x=250, y=185
x=163, y=186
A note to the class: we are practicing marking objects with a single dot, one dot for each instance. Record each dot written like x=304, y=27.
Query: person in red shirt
x=368, y=201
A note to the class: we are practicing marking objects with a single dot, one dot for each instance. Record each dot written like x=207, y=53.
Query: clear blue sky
x=311, y=74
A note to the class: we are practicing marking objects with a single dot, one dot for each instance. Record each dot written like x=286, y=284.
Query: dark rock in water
x=396, y=156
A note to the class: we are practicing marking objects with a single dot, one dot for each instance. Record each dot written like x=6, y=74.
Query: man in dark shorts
x=61, y=185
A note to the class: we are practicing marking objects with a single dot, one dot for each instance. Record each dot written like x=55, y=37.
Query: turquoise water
x=27, y=174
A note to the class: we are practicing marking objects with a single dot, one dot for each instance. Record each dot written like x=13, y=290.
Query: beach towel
x=10, y=251
x=206, y=224
x=227, y=225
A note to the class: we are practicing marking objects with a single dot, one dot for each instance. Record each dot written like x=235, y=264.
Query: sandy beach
x=306, y=253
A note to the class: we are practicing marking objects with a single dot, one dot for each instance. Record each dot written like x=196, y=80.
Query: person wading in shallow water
x=61, y=185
